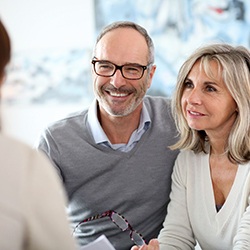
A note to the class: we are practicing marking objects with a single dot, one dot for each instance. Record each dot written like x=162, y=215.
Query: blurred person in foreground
x=113, y=158
x=211, y=179
x=32, y=201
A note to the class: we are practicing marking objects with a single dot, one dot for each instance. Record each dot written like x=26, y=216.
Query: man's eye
x=132, y=69
x=105, y=66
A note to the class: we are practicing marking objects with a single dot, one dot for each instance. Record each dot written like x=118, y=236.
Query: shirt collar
x=96, y=128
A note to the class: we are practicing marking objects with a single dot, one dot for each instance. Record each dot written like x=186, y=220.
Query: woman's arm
x=177, y=232
x=242, y=238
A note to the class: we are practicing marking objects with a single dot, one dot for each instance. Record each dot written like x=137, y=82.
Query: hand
x=152, y=245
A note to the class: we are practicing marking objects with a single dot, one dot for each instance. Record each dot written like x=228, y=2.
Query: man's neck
x=119, y=129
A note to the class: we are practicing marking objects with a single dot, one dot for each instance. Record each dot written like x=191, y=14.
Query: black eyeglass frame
x=120, y=67
x=109, y=214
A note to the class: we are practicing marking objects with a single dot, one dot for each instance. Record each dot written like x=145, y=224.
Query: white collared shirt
x=101, y=138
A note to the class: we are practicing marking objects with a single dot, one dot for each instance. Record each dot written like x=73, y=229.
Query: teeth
x=194, y=113
x=118, y=94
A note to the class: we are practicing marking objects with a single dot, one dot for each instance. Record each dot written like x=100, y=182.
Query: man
x=115, y=156
x=32, y=207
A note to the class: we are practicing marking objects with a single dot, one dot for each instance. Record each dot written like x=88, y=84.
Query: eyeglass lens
x=137, y=239
x=129, y=71
x=121, y=222
x=123, y=225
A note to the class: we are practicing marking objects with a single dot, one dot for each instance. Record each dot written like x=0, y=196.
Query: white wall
x=48, y=23
x=37, y=25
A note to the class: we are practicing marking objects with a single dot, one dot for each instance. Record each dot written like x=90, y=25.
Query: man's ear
x=151, y=74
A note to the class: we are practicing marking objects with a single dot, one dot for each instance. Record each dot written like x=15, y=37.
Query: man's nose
x=117, y=80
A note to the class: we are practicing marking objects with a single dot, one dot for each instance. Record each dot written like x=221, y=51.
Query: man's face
x=116, y=95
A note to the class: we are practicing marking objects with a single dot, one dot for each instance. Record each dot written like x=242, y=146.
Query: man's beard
x=129, y=108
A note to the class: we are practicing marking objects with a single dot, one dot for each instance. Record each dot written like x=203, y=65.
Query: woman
x=211, y=179
x=32, y=201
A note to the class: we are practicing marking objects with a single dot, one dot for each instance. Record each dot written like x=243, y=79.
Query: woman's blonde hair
x=234, y=63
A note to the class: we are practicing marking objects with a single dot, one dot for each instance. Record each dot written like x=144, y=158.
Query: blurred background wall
x=51, y=41
x=49, y=75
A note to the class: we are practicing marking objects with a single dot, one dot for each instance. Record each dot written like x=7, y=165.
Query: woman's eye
x=188, y=84
x=210, y=89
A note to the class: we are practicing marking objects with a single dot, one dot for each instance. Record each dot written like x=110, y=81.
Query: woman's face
x=206, y=103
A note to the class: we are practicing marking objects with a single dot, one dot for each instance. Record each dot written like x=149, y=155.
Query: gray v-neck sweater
x=136, y=184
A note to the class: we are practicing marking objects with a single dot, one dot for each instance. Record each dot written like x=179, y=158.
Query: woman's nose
x=193, y=97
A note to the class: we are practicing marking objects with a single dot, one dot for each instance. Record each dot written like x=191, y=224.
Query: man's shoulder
x=71, y=119
x=157, y=100
x=158, y=104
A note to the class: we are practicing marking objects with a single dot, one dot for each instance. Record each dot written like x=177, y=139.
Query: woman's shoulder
x=19, y=155
x=189, y=158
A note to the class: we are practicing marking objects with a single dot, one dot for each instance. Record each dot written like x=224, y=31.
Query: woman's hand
x=152, y=245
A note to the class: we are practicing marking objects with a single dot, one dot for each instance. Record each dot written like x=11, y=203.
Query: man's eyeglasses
x=120, y=222
x=130, y=71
